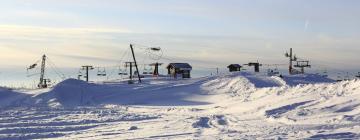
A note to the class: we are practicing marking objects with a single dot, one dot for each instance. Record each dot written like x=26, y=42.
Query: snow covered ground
x=240, y=105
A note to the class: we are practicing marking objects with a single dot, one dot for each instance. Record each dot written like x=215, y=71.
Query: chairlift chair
x=122, y=71
x=101, y=72
x=147, y=71
x=358, y=75
x=155, y=49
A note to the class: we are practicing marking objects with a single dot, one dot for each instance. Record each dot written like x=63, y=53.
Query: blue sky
x=207, y=33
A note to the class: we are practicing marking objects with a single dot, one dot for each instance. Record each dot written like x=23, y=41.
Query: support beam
x=137, y=69
x=42, y=83
x=87, y=69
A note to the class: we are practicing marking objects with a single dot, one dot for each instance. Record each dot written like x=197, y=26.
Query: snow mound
x=229, y=84
x=236, y=106
x=164, y=92
x=70, y=92
x=337, y=102
x=9, y=97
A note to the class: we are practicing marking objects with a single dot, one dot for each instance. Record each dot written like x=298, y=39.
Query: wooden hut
x=234, y=67
x=179, y=70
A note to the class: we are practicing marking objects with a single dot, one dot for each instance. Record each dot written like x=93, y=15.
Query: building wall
x=177, y=73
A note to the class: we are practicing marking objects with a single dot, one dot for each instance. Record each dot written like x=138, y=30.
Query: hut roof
x=235, y=65
x=180, y=66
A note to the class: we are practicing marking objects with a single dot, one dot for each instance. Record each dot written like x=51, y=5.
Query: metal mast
x=42, y=83
x=87, y=68
x=133, y=54
x=292, y=57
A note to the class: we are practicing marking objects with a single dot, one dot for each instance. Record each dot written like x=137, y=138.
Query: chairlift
x=101, y=72
x=147, y=71
x=122, y=72
x=273, y=72
x=155, y=49
x=339, y=77
x=358, y=75
x=325, y=73
x=80, y=74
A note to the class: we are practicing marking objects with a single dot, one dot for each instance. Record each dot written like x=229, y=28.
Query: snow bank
x=72, y=93
x=10, y=98
x=68, y=93
x=164, y=92
x=305, y=103
x=241, y=105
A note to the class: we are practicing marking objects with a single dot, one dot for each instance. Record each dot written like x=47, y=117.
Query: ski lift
x=155, y=49
x=122, y=72
x=339, y=77
x=358, y=75
x=325, y=73
x=347, y=77
x=273, y=72
x=155, y=53
x=147, y=71
x=80, y=74
x=150, y=71
x=101, y=72
x=32, y=66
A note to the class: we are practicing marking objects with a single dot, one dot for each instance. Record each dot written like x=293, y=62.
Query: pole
x=133, y=54
x=131, y=73
x=290, y=64
x=87, y=68
x=42, y=73
x=87, y=74
x=156, y=70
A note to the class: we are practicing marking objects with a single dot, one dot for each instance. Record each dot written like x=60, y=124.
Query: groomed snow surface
x=236, y=106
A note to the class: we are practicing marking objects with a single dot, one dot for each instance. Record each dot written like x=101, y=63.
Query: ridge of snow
x=239, y=105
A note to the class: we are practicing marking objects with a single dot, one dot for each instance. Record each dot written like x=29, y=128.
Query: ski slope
x=235, y=106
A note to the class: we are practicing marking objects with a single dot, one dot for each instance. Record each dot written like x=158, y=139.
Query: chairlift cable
x=55, y=69
x=119, y=62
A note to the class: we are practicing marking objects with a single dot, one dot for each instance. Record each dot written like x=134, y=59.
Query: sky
x=205, y=33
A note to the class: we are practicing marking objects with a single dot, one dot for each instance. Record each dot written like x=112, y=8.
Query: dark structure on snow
x=234, y=67
x=179, y=69
x=156, y=69
x=256, y=66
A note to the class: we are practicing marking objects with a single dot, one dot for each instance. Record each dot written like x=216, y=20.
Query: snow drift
x=239, y=105
x=9, y=97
